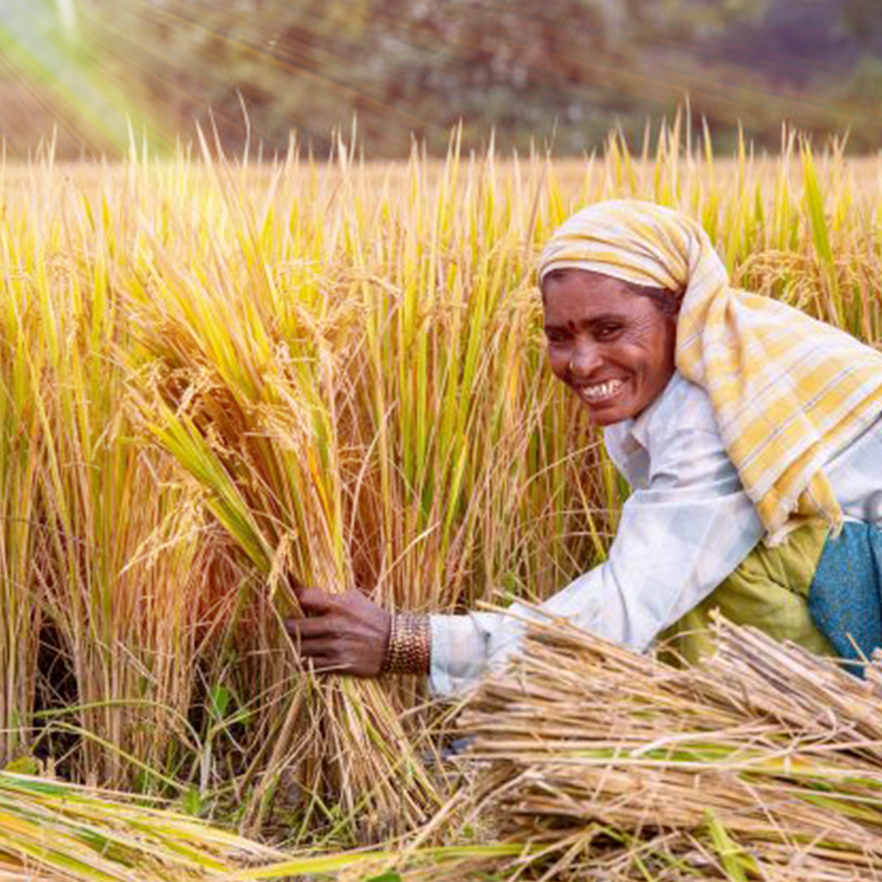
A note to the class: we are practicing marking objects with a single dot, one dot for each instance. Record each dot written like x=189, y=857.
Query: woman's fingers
x=318, y=650
x=314, y=640
x=317, y=646
x=315, y=602
x=324, y=655
x=321, y=659
x=342, y=632
x=315, y=627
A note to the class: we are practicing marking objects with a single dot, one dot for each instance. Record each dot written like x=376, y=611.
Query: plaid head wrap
x=788, y=391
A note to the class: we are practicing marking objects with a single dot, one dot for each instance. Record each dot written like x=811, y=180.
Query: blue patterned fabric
x=846, y=594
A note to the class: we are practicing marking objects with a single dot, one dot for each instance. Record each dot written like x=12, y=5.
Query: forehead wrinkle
x=587, y=321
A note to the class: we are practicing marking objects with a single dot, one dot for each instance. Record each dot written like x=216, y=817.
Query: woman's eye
x=605, y=332
x=555, y=337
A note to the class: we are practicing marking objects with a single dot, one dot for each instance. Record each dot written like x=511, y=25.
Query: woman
x=750, y=434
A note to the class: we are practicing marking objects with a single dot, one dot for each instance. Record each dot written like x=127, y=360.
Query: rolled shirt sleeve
x=685, y=528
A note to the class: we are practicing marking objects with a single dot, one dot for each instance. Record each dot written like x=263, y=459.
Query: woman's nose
x=585, y=360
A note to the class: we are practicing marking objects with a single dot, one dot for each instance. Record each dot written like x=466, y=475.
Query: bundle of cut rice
x=253, y=417
x=765, y=763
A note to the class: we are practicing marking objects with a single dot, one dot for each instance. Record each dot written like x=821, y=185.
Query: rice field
x=221, y=379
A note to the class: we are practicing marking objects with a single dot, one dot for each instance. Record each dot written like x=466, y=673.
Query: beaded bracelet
x=409, y=645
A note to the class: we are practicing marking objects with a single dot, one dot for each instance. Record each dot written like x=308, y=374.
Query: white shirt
x=686, y=526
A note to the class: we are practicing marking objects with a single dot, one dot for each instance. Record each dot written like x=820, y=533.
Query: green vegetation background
x=559, y=72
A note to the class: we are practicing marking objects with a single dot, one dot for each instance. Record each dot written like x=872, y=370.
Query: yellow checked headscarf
x=787, y=391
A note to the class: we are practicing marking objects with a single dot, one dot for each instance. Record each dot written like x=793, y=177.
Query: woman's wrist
x=409, y=648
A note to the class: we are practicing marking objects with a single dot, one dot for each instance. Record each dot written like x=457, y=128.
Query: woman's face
x=612, y=347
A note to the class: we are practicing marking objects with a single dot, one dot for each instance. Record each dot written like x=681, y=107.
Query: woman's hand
x=342, y=633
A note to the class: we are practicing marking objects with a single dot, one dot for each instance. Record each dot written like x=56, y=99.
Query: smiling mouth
x=600, y=392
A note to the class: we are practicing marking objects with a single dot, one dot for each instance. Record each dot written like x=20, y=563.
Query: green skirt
x=770, y=590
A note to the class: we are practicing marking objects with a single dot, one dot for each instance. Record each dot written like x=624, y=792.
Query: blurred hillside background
x=550, y=72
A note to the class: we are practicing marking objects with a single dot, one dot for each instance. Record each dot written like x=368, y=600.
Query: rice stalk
x=21, y=533
x=52, y=830
x=120, y=568
x=251, y=417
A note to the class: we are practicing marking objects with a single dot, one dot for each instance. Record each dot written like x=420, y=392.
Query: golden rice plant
x=356, y=425
x=470, y=447
x=116, y=571
x=343, y=365
x=22, y=535
x=251, y=415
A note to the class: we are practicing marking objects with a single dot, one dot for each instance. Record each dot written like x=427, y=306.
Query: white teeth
x=601, y=390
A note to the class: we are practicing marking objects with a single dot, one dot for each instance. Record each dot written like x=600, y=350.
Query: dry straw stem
x=51, y=830
x=765, y=763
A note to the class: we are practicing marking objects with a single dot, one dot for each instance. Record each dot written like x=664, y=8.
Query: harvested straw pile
x=766, y=763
